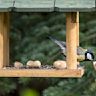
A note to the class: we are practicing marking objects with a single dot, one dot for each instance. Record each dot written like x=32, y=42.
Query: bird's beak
x=94, y=64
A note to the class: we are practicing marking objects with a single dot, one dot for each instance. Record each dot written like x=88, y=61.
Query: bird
x=82, y=54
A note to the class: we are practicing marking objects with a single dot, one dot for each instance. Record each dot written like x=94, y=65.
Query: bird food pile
x=60, y=64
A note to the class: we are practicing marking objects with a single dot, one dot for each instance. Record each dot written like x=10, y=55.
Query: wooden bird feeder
x=72, y=9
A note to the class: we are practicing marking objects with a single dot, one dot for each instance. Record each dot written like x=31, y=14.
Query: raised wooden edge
x=76, y=73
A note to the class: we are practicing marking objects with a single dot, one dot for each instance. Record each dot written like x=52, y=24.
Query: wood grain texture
x=5, y=5
x=34, y=5
x=77, y=28
x=75, y=5
x=4, y=39
x=41, y=73
x=6, y=43
x=71, y=40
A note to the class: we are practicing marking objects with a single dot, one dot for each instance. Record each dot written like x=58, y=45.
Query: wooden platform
x=41, y=73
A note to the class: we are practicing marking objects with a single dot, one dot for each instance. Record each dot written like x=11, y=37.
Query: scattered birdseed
x=27, y=67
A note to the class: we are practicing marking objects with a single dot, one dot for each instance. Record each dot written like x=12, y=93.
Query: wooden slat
x=4, y=39
x=71, y=40
x=34, y=5
x=6, y=43
x=41, y=73
x=77, y=28
x=5, y=5
x=75, y=5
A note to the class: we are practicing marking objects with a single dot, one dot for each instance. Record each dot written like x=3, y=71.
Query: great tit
x=82, y=54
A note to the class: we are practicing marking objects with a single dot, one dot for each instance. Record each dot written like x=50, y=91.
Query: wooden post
x=77, y=28
x=4, y=39
x=71, y=40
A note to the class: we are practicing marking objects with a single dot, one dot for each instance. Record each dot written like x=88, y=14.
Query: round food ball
x=37, y=64
x=32, y=64
x=18, y=64
x=60, y=64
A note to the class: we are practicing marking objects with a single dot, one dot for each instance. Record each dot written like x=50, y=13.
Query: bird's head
x=89, y=55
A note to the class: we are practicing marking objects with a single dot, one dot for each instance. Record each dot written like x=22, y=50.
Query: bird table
x=70, y=7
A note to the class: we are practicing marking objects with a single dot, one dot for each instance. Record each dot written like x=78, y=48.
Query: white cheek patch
x=89, y=56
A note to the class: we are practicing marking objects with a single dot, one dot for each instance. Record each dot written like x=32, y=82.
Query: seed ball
x=60, y=64
x=18, y=64
x=32, y=64
x=37, y=64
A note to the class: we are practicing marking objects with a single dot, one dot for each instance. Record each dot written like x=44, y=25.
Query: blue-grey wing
x=81, y=51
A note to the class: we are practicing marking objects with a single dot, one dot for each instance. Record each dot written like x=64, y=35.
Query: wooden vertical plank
x=1, y=39
x=71, y=40
x=4, y=39
x=77, y=28
x=6, y=31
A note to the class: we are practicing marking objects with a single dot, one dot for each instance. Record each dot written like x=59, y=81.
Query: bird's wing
x=59, y=43
x=62, y=45
x=81, y=51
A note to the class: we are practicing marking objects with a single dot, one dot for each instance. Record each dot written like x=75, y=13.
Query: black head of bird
x=89, y=56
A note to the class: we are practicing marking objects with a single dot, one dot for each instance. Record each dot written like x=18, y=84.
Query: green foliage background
x=28, y=40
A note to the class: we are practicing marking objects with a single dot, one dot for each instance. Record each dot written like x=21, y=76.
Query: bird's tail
x=57, y=42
